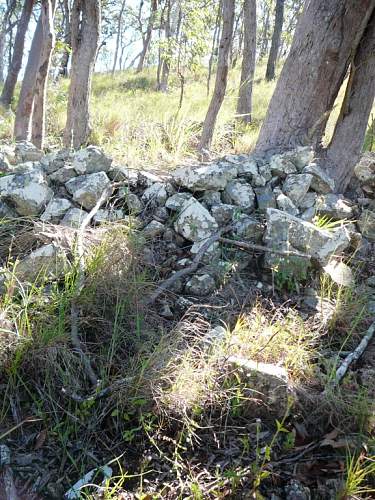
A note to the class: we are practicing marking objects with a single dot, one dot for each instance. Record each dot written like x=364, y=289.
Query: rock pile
x=271, y=201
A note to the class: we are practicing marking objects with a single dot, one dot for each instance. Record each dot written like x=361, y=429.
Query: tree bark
x=165, y=55
x=63, y=68
x=26, y=98
x=347, y=141
x=147, y=38
x=4, y=28
x=276, y=38
x=221, y=75
x=248, y=61
x=85, y=31
x=16, y=62
x=118, y=36
x=40, y=89
x=265, y=39
x=326, y=37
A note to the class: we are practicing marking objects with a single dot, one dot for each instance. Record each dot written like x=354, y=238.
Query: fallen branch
x=74, y=311
x=252, y=246
x=355, y=355
x=188, y=270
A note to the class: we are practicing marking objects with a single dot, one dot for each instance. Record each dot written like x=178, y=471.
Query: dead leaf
x=40, y=440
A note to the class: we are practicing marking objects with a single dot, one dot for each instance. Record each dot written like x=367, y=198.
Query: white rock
x=91, y=160
x=194, y=222
x=73, y=218
x=176, y=201
x=157, y=194
x=87, y=189
x=240, y=194
x=55, y=209
x=202, y=178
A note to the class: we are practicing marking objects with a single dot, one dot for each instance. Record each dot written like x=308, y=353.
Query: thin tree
x=248, y=61
x=118, y=35
x=276, y=39
x=221, y=75
x=85, y=31
x=17, y=55
x=5, y=26
x=33, y=89
x=146, y=39
x=315, y=69
x=64, y=61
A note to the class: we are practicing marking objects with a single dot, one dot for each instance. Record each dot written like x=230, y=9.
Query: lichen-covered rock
x=223, y=213
x=240, y=194
x=194, y=222
x=248, y=169
x=157, y=194
x=107, y=215
x=365, y=169
x=154, y=229
x=366, y=224
x=321, y=181
x=265, y=198
x=296, y=186
x=26, y=151
x=334, y=206
x=91, y=160
x=123, y=174
x=87, y=189
x=5, y=166
x=47, y=261
x=134, y=204
x=282, y=166
x=249, y=229
x=28, y=192
x=73, y=218
x=211, y=198
x=55, y=209
x=285, y=204
x=63, y=174
x=7, y=212
x=300, y=156
x=54, y=161
x=206, y=177
x=211, y=254
x=308, y=200
x=200, y=285
x=176, y=201
x=285, y=232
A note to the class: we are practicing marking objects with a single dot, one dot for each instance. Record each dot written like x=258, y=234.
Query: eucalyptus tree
x=7, y=9
x=276, y=40
x=321, y=55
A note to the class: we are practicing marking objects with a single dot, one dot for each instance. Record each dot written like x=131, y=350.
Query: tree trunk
x=221, y=75
x=147, y=38
x=248, y=61
x=164, y=66
x=26, y=98
x=118, y=36
x=16, y=62
x=347, y=141
x=85, y=29
x=4, y=28
x=63, y=68
x=326, y=37
x=215, y=39
x=40, y=90
x=276, y=38
x=265, y=39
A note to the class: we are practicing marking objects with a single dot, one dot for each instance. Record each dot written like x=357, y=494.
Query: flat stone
x=366, y=224
x=91, y=160
x=321, y=181
x=205, y=177
x=176, y=201
x=55, y=209
x=296, y=187
x=194, y=222
x=200, y=285
x=73, y=218
x=29, y=192
x=87, y=189
x=334, y=206
x=240, y=194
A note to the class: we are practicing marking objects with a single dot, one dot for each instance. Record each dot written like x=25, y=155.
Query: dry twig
x=252, y=246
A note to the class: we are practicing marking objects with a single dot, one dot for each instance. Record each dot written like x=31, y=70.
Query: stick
x=261, y=248
x=188, y=270
x=74, y=311
x=355, y=355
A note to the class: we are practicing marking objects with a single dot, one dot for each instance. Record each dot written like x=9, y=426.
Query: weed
x=359, y=471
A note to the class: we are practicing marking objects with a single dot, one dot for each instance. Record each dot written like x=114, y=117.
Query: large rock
x=26, y=151
x=285, y=232
x=91, y=160
x=87, y=189
x=176, y=201
x=55, y=209
x=296, y=187
x=249, y=229
x=55, y=161
x=321, y=181
x=223, y=213
x=194, y=222
x=240, y=194
x=265, y=198
x=28, y=192
x=202, y=178
x=282, y=166
x=365, y=169
x=157, y=194
x=63, y=174
x=366, y=224
x=334, y=206
x=285, y=204
x=47, y=261
x=123, y=174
